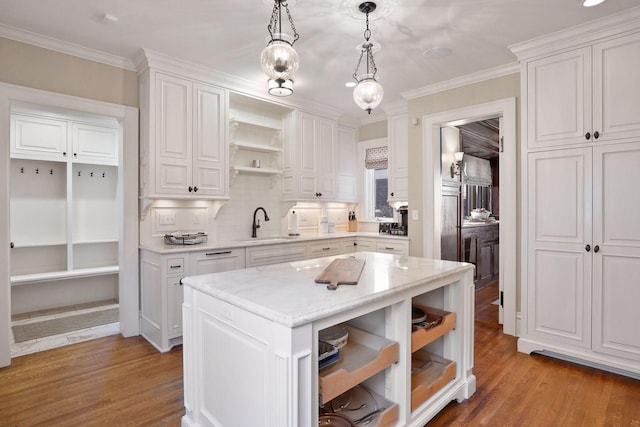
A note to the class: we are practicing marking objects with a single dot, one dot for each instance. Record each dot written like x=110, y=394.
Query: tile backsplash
x=234, y=219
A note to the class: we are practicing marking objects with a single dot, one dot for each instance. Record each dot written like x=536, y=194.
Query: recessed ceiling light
x=589, y=3
x=350, y=84
x=437, y=52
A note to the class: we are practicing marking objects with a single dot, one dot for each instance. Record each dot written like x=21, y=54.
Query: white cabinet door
x=559, y=261
x=346, y=166
x=616, y=109
x=616, y=236
x=40, y=138
x=559, y=99
x=175, y=298
x=398, y=158
x=173, y=120
x=325, y=136
x=94, y=144
x=209, y=142
x=216, y=261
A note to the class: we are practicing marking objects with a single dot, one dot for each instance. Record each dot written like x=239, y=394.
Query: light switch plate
x=414, y=215
x=166, y=218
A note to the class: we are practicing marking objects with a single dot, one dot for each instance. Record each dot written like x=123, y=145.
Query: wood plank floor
x=125, y=382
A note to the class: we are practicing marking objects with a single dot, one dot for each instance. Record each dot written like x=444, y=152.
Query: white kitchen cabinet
x=346, y=166
x=365, y=244
x=584, y=252
x=63, y=208
x=47, y=137
x=585, y=95
x=161, y=288
x=309, y=158
x=271, y=345
x=398, y=140
x=184, y=149
x=326, y=248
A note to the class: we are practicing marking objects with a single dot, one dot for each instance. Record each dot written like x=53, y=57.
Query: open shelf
x=67, y=274
x=257, y=171
x=363, y=356
x=429, y=374
x=256, y=147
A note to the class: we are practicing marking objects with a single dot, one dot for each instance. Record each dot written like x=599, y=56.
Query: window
x=376, y=184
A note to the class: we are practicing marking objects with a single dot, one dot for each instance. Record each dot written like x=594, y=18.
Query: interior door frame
x=505, y=108
x=127, y=203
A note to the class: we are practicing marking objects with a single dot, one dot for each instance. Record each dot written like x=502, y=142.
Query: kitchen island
x=251, y=342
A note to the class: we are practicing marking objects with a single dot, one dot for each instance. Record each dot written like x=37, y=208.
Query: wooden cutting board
x=341, y=271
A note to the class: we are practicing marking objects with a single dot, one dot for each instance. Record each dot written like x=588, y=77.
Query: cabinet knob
x=596, y=135
x=195, y=189
x=12, y=245
x=190, y=189
x=587, y=135
x=75, y=154
x=596, y=249
x=64, y=153
x=181, y=282
x=587, y=248
x=392, y=194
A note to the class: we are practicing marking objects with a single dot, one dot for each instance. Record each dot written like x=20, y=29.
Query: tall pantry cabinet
x=580, y=157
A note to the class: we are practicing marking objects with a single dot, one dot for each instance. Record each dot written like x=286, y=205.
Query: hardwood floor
x=125, y=382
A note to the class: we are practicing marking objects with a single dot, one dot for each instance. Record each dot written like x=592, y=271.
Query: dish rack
x=185, y=238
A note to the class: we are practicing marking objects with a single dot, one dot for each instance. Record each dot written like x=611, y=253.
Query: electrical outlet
x=167, y=218
x=196, y=218
x=414, y=215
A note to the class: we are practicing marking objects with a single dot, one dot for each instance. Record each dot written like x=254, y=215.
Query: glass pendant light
x=279, y=59
x=368, y=92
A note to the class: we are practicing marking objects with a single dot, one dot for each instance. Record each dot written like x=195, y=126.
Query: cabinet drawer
x=398, y=248
x=175, y=265
x=421, y=336
x=273, y=254
x=325, y=249
x=216, y=261
x=429, y=373
x=363, y=356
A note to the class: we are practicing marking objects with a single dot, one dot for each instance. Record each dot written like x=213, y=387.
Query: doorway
x=433, y=161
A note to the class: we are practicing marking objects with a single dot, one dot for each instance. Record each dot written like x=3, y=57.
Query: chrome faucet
x=256, y=223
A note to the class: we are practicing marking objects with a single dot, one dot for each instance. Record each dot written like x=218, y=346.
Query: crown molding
x=50, y=43
x=150, y=59
x=579, y=35
x=480, y=76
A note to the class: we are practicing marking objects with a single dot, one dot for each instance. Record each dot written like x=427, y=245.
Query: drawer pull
x=217, y=253
x=175, y=266
x=326, y=249
x=389, y=249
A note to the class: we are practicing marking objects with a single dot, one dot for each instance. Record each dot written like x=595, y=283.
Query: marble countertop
x=261, y=241
x=287, y=294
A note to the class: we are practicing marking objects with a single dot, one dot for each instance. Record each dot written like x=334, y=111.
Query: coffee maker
x=403, y=220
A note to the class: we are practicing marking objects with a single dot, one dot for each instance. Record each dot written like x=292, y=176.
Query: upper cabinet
x=398, y=157
x=46, y=138
x=310, y=158
x=346, y=178
x=589, y=94
x=183, y=138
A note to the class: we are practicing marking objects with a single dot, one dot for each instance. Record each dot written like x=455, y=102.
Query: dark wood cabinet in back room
x=481, y=246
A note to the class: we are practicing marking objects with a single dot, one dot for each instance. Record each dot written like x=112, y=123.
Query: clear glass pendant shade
x=368, y=93
x=279, y=60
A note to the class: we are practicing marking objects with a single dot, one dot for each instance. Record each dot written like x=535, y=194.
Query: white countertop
x=261, y=241
x=287, y=294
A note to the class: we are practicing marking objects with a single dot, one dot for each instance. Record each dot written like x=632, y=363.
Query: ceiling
x=229, y=35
